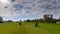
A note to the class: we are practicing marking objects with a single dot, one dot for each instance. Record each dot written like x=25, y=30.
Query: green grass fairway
x=29, y=28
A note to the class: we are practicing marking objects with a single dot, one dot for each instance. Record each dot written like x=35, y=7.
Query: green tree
x=48, y=18
x=1, y=19
x=41, y=20
x=10, y=21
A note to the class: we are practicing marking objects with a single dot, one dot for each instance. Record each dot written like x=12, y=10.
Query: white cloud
x=37, y=8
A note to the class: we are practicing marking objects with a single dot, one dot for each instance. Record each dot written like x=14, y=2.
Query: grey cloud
x=30, y=7
x=13, y=0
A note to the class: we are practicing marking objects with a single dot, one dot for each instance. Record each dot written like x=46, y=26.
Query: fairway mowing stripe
x=23, y=28
x=37, y=29
x=43, y=30
x=8, y=29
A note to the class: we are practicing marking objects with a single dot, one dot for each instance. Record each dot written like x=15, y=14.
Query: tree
x=10, y=21
x=1, y=19
x=28, y=20
x=48, y=18
x=41, y=20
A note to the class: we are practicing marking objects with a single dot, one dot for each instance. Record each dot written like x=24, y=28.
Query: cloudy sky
x=28, y=9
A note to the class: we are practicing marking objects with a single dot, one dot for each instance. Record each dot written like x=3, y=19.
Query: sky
x=28, y=9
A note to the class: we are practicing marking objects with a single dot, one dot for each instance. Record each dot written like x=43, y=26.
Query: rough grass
x=29, y=28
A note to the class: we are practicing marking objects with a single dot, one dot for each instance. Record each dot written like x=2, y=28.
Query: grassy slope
x=29, y=28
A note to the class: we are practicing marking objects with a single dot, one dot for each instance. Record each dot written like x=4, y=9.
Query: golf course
x=29, y=28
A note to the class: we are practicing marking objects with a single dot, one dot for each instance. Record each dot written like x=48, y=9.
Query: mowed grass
x=29, y=28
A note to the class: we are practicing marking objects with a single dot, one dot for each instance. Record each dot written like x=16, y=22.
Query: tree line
x=48, y=18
